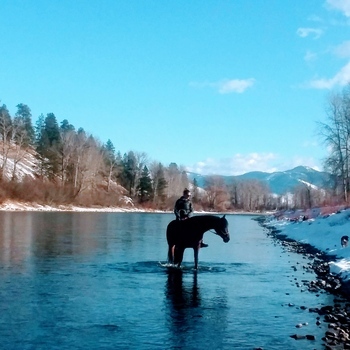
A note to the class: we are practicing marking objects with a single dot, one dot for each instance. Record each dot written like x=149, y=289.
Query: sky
x=217, y=86
x=323, y=232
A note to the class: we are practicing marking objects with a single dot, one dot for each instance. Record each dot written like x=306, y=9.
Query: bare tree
x=81, y=146
x=252, y=194
x=176, y=179
x=336, y=135
x=19, y=144
x=67, y=151
x=5, y=138
x=157, y=172
x=216, y=193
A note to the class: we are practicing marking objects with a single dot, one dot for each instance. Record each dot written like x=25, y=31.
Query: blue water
x=100, y=281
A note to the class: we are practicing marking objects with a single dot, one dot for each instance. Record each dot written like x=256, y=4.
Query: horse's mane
x=205, y=216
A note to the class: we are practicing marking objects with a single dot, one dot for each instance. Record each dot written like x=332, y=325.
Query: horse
x=182, y=234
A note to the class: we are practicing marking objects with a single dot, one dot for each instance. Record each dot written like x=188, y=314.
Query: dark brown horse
x=189, y=234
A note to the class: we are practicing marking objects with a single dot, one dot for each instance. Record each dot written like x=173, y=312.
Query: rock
x=314, y=309
x=330, y=318
x=298, y=336
x=310, y=337
x=331, y=334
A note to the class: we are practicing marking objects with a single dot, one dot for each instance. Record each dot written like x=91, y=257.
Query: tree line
x=71, y=166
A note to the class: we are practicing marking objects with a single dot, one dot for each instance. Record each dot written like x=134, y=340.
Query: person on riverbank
x=183, y=209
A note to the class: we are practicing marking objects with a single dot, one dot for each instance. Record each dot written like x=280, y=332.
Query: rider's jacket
x=183, y=208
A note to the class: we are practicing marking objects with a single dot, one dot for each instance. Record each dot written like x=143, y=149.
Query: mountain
x=279, y=182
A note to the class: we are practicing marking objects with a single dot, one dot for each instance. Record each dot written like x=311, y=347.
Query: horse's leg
x=170, y=254
x=196, y=251
x=178, y=255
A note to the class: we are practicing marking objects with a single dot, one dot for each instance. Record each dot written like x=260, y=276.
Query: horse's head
x=222, y=229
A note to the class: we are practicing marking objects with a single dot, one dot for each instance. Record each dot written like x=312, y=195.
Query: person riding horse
x=183, y=209
x=189, y=233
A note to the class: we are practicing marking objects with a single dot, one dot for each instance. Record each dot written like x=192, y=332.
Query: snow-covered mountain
x=279, y=182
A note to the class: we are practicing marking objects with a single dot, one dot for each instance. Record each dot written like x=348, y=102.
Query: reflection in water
x=182, y=302
x=193, y=318
x=180, y=296
x=16, y=237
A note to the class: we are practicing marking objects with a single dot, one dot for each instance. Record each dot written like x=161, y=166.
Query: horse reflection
x=197, y=318
x=182, y=296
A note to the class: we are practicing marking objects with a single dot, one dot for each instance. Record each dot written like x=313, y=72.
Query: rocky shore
x=337, y=316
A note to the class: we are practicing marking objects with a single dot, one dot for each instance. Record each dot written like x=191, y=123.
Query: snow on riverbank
x=20, y=206
x=323, y=233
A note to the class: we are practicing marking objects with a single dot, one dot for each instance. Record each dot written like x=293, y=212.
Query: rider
x=183, y=208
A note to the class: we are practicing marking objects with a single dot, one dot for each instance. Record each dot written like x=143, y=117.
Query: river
x=99, y=281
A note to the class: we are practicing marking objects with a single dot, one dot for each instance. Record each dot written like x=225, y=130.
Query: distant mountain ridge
x=279, y=182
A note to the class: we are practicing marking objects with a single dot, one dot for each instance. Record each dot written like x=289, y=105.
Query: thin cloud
x=315, y=18
x=310, y=56
x=235, y=85
x=227, y=86
x=342, y=50
x=342, y=78
x=305, y=32
x=341, y=5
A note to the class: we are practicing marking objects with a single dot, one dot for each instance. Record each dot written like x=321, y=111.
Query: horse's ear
x=224, y=216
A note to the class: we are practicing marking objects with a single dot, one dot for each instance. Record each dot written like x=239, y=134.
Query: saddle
x=183, y=215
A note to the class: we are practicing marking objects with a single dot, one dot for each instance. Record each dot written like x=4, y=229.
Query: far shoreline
x=9, y=206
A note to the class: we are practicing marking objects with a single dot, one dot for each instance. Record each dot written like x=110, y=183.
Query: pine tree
x=66, y=126
x=40, y=146
x=22, y=136
x=160, y=185
x=129, y=171
x=48, y=145
x=110, y=160
x=144, y=188
x=52, y=130
x=23, y=125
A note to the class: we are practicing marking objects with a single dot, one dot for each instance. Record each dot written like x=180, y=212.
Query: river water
x=99, y=281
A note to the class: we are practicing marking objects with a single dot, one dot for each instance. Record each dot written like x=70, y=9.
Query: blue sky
x=221, y=87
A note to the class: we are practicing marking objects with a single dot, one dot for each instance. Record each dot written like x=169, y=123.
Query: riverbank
x=319, y=239
x=22, y=206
